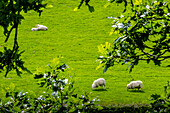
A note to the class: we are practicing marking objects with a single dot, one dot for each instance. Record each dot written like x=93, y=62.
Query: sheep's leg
x=101, y=86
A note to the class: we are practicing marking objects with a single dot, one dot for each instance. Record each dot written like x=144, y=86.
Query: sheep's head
x=37, y=25
x=128, y=86
x=93, y=86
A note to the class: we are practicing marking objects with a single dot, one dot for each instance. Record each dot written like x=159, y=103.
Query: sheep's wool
x=135, y=84
x=39, y=27
x=98, y=82
x=34, y=29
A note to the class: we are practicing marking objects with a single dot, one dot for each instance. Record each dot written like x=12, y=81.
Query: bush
x=159, y=103
x=59, y=97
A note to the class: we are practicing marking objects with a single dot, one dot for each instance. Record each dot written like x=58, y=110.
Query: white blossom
x=98, y=99
x=147, y=6
x=120, y=25
x=65, y=81
x=54, y=93
x=55, y=84
x=146, y=12
x=114, y=25
x=45, y=75
x=101, y=62
x=167, y=14
x=39, y=98
x=163, y=24
x=100, y=56
x=142, y=16
x=94, y=99
x=25, y=105
x=121, y=16
x=54, y=80
x=155, y=2
x=111, y=17
x=62, y=88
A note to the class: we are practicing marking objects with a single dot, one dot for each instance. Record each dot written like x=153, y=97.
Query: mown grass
x=75, y=36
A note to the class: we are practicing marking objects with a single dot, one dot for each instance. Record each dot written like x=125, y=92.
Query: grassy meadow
x=75, y=35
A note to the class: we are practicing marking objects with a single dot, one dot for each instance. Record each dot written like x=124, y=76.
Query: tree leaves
x=143, y=35
x=10, y=61
x=10, y=18
x=91, y=8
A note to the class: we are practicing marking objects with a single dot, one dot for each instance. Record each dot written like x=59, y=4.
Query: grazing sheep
x=98, y=82
x=135, y=84
x=39, y=27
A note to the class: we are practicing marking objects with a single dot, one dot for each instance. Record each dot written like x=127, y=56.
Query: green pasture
x=75, y=35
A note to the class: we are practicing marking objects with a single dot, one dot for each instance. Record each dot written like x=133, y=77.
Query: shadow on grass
x=100, y=90
x=136, y=91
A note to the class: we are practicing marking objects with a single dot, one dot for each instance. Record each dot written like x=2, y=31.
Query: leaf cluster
x=10, y=61
x=10, y=18
x=59, y=97
x=144, y=34
x=91, y=8
x=160, y=104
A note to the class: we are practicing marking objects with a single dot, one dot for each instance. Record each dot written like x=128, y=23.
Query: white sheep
x=34, y=29
x=98, y=82
x=39, y=27
x=135, y=84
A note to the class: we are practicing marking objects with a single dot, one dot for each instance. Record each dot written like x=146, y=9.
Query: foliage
x=12, y=61
x=10, y=18
x=143, y=35
x=91, y=8
x=59, y=97
x=160, y=104
x=143, y=31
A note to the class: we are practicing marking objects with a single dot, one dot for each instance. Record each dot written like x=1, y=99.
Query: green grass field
x=75, y=35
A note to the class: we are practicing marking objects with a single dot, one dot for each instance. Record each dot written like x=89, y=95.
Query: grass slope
x=76, y=35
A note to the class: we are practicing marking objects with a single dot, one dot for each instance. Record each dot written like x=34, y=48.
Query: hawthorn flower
x=54, y=93
x=142, y=16
x=121, y=16
x=120, y=25
x=45, y=75
x=167, y=14
x=147, y=6
x=114, y=25
x=65, y=81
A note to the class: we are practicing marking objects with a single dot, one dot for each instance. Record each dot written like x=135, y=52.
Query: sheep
x=34, y=29
x=39, y=27
x=98, y=82
x=135, y=84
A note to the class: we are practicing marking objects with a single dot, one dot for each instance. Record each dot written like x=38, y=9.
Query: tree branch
x=149, y=54
x=9, y=33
